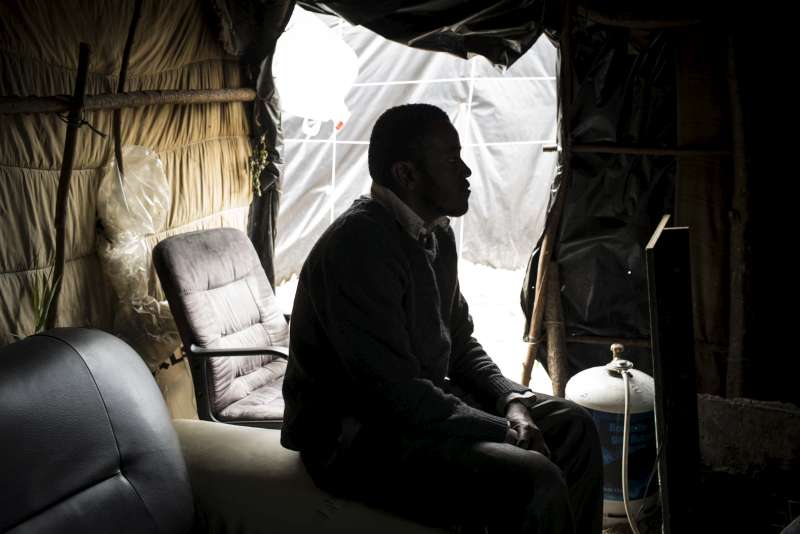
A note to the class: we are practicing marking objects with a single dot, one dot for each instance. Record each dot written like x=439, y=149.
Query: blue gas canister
x=601, y=390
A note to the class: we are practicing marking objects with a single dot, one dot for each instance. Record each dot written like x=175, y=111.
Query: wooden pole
x=554, y=326
x=123, y=73
x=554, y=218
x=739, y=254
x=133, y=99
x=537, y=313
x=62, y=197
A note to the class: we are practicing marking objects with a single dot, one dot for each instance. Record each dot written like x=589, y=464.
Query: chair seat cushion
x=244, y=481
x=262, y=398
x=221, y=298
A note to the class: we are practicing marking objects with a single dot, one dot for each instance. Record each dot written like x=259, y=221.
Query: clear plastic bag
x=131, y=208
x=138, y=203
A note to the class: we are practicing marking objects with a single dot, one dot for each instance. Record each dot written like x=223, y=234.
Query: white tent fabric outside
x=504, y=119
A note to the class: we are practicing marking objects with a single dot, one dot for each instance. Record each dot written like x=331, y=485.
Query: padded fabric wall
x=204, y=148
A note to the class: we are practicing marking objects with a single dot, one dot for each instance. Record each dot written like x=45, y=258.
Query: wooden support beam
x=134, y=99
x=600, y=148
x=622, y=20
x=740, y=256
x=554, y=326
x=602, y=340
x=62, y=197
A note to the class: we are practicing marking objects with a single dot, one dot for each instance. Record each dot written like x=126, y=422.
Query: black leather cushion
x=86, y=442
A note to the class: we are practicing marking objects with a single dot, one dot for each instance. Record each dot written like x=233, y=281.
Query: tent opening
x=505, y=118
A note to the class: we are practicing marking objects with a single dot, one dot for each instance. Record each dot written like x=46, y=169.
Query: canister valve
x=617, y=364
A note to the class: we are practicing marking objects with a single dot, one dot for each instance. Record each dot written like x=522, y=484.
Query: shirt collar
x=412, y=223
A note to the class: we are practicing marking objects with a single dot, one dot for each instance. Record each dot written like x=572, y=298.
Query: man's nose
x=467, y=170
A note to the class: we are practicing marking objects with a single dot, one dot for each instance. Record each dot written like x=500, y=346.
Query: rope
x=80, y=121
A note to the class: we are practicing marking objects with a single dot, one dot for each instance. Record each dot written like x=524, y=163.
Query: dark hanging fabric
x=770, y=366
x=250, y=29
x=263, y=217
x=704, y=187
x=623, y=93
x=501, y=30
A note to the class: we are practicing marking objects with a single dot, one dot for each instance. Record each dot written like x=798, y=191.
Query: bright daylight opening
x=504, y=120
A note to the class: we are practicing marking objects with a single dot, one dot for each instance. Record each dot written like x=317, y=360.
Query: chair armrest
x=243, y=480
x=202, y=352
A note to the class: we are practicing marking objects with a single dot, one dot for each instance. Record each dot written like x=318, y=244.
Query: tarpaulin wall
x=504, y=119
x=646, y=88
x=204, y=148
x=623, y=93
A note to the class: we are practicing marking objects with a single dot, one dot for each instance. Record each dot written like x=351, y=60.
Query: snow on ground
x=285, y=294
x=493, y=298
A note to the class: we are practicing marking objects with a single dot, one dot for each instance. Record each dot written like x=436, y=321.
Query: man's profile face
x=442, y=187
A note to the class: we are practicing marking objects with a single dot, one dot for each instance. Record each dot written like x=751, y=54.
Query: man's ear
x=404, y=174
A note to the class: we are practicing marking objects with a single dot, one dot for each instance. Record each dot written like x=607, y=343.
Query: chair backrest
x=86, y=442
x=221, y=298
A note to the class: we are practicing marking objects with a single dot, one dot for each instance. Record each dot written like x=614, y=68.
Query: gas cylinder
x=601, y=390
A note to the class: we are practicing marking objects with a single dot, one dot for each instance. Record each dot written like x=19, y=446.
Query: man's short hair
x=397, y=136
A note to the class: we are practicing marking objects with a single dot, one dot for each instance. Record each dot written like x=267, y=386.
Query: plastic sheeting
x=501, y=31
x=504, y=119
x=624, y=94
x=130, y=208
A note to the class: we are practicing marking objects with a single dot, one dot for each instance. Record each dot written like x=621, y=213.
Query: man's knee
x=510, y=487
x=546, y=497
x=584, y=420
x=574, y=417
x=572, y=436
x=526, y=471
x=549, y=480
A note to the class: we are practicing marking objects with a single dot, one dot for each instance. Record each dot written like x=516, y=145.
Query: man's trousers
x=455, y=482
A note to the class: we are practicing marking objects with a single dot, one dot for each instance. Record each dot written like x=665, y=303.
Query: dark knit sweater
x=378, y=323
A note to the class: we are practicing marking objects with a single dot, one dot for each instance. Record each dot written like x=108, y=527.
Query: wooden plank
x=739, y=362
x=672, y=340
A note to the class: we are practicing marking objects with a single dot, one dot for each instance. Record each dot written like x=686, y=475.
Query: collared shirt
x=416, y=227
x=412, y=223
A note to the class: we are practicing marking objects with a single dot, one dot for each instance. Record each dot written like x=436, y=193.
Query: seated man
x=389, y=398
